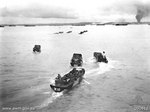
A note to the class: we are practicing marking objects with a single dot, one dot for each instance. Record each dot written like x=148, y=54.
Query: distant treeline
x=75, y=24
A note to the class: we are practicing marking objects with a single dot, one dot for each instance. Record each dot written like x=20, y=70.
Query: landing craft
x=69, y=31
x=37, y=48
x=69, y=80
x=59, y=32
x=76, y=59
x=83, y=32
x=100, y=57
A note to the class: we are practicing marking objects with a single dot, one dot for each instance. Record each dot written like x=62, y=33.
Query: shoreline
x=78, y=24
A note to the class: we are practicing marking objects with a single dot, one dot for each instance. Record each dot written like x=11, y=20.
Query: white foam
x=52, y=81
x=101, y=68
x=87, y=73
x=86, y=81
x=91, y=60
x=53, y=97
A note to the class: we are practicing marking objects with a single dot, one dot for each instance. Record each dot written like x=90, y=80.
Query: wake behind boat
x=69, y=80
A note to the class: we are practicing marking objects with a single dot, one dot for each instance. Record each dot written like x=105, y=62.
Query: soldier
x=58, y=77
x=104, y=56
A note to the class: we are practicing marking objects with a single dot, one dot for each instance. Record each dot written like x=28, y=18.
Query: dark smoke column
x=139, y=15
x=138, y=18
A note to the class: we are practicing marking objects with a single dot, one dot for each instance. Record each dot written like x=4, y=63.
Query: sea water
x=25, y=76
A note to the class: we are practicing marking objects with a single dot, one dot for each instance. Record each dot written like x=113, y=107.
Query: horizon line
x=74, y=24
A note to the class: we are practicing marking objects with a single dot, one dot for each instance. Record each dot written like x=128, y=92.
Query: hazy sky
x=49, y=11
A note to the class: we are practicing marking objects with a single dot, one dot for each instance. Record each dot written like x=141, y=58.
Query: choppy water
x=25, y=76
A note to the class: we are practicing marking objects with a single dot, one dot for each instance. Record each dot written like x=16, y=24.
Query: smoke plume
x=143, y=10
x=137, y=9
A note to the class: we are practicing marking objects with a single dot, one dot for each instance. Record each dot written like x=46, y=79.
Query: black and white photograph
x=74, y=55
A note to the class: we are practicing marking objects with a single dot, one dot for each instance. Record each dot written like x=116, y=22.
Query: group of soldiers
x=71, y=76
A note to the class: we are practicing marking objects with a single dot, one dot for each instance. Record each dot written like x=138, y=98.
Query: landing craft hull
x=61, y=87
x=67, y=87
x=76, y=60
x=99, y=57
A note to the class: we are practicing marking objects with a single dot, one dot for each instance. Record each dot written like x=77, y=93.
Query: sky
x=66, y=11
